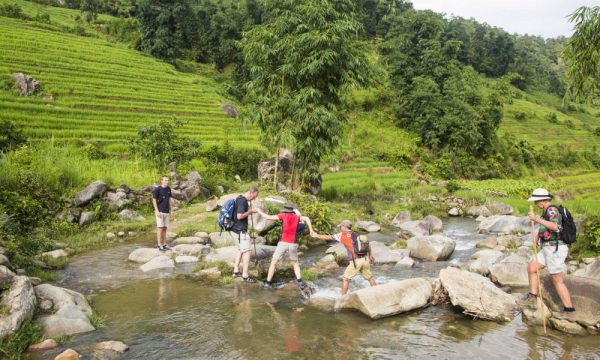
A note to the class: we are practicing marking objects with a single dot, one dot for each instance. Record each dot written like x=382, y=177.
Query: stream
x=162, y=316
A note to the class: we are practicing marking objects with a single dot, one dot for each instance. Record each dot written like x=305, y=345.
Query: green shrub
x=552, y=118
x=521, y=116
x=242, y=161
x=12, y=346
x=12, y=11
x=588, y=243
x=11, y=136
x=318, y=212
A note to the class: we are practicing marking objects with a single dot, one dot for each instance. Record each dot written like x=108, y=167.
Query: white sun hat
x=540, y=194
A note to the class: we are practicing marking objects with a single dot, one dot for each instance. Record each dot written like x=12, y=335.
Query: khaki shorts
x=283, y=247
x=162, y=220
x=363, y=266
x=243, y=241
x=554, y=261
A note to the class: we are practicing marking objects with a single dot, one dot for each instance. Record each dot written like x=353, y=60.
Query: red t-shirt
x=289, y=225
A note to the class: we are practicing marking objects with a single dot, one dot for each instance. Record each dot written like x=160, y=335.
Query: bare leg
x=236, y=262
x=345, y=285
x=245, y=263
x=532, y=268
x=271, y=270
x=164, y=236
x=297, y=271
x=561, y=289
x=372, y=282
x=158, y=236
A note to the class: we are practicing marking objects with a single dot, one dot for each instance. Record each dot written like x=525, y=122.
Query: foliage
x=12, y=11
x=98, y=321
x=11, y=136
x=308, y=275
x=318, y=212
x=89, y=9
x=588, y=243
x=160, y=144
x=301, y=60
x=582, y=55
x=235, y=161
x=12, y=346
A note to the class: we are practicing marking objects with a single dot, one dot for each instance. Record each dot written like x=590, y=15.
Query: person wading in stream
x=359, y=262
x=290, y=224
x=552, y=254
x=163, y=208
x=239, y=232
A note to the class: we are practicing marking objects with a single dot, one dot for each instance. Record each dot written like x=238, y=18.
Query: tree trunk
x=293, y=177
x=276, y=169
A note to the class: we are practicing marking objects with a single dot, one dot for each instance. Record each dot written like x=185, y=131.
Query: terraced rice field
x=100, y=91
x=582, y=186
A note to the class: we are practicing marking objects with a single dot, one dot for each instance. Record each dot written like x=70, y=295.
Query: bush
x=235, y=161
x=12, y=346
x=552, y=118
x=13, y=11
x=521, y=116
x=588, y=243
x=318, y=212
x=11, y=136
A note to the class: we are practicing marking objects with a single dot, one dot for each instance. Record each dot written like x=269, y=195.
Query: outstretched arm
x=267, y=216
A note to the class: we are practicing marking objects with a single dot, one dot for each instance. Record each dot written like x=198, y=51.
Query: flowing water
x=161, y=316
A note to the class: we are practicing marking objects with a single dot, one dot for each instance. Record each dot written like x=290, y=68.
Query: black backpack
x=361, y=247
x=568, y=231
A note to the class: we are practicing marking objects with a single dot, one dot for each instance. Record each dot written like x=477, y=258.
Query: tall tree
x=301, y=60
x=582, y=54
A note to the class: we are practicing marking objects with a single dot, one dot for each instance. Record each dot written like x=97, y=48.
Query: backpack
x=568, y=230
x=226, y=218
x=360, y=244
x=300, y=230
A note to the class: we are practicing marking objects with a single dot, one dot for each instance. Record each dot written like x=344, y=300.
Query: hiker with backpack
x=556, y=232
x=233, y=218
x=292, y=226
x=358, y=254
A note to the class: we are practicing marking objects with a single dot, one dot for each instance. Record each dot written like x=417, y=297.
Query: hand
x=156, y=212
x=313, y=234
x=253, y=211
x=372, y=259
x=532, y=216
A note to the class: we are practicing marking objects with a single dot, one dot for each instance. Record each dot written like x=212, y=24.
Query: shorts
x=283, y=247
x=162, y=220
x=244, y=243
x=363, y=266
x=554, y=261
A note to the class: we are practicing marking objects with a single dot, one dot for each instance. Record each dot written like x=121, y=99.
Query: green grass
x=104, y=92
x=13, y=346
x=309, y=275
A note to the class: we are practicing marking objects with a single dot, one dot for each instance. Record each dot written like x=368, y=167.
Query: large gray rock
x=131, y=215
x=223, y=199
x=86, y=218
x=92, y=191
x=401, y=217
x=227, y=254
x=479, y=210
x=368, y=226
x=591, y=271
x=484, y=259
x=4, y=260
x=585, y=295
x=261, y=224
x=510, y=271
x=184, y=259
x=487, y=243
x=389, y=299
x=509, y=240
x=384, y=255
x=323, y=302
x=266, y=169
x=498, y=208
x=18, y=303
x=211, y=204
x=505, y=224
x=143, y=255
x=338, y=250
x=189, y=240
x=116, y=346
x=568, y=327
x=157, y=263
x=222, y=239
x=326, y=263
x=55, y=254
x=477, y=295
x=72, y=311
x=428, y=225
x=191, y=249
x=26, y=84
x=116, y=200
x=431, y=247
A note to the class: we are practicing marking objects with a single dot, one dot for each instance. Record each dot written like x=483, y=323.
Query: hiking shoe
x=236, y=274
x=162, y=248
x=268, y=285
x=166, y=247
x=302, y=285
x=565, y=315
x=529, y=300
x=249, y=279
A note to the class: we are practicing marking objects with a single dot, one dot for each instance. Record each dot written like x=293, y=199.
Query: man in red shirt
x=290, y=221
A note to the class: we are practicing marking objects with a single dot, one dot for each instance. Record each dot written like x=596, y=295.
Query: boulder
x=189, y=240
x=525, y=252
x=431, y=247
x=455, y=211
x=223, y=199
x=538, y=315
x=591, y=271
x=221, y=239
x=484, y=259
x=432, y=223
x=211, y=204
x=477, y=295
x=327, y=262
x=383, y=255
x=202, y=235
x=116, y=346
x=171, y=235
x=405, y=263
x=498, y=208
x=72, y=311
x=191, y=249
x=4, y=260
x=143, y=255
x=227, y=253
x=585, y=295
x=479, y=210
x=116, y=200
x=266, y=169
x=26, y=84
x=401, y=217
x=92, y=191
x=157, y=263
x=510, y=271
x=487, y=243
x=183, y=259
x=509, y=240
x=47, y=344
x=338, y=250
x=131, y=215
x=389, y=299
x=568, y=327
x=229, y=110
x=55, y=254
x=110, y=235
x=19, y=302
x=426, y=226
x=260, y=224
x=505, y=224
x=323, y=302
x=368, y=226
x=211, y=273
x=86, y=218
x=439, y=295
x=68, y=354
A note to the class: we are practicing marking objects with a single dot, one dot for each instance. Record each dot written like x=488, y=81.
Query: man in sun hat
x=291, y=229
x=552, y=253
x=358, y=263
